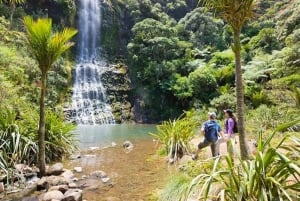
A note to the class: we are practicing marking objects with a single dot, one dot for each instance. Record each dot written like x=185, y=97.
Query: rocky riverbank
x=128, y=171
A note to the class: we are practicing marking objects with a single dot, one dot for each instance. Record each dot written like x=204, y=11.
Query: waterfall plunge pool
x=135, y=175
x=104, y=135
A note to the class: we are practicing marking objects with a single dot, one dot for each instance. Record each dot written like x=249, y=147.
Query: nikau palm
x=46, y=47
x=236, y=13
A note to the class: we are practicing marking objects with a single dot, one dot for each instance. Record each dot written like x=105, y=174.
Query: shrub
x=204, y=84
x=174, y=135
x=224, y=101
x=60, y=140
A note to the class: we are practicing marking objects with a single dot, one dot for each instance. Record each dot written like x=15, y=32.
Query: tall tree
x=236, y=13
x=46, y=46
x=12, y=4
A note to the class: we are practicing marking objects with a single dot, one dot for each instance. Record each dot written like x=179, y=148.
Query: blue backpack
x=211, y=131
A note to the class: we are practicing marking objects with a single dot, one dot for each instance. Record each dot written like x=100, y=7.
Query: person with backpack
x=230, y=130
x=211, y=131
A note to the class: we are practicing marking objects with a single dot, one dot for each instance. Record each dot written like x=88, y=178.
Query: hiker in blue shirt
x=211, y=131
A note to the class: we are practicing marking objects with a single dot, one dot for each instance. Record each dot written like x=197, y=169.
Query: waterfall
x=89, y=102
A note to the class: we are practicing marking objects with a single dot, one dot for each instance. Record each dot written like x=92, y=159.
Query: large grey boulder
x=55, y=169
x=53, y=195
x=73, y=195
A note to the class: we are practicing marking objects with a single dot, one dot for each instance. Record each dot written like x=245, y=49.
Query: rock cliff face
x=117, y=83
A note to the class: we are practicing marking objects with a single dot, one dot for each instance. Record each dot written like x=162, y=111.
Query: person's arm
x=230, y=127
x=220, y=132
x=203, y=129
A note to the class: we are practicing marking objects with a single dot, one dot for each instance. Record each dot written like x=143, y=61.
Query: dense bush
x=204, y=85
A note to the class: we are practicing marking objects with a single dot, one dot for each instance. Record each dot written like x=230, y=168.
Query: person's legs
x=215, y=148
x=201, y=145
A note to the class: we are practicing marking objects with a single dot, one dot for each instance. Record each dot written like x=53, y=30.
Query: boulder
x=105, y=180
x=68, y=174
x=127, y=145
x=57, y=180
x=55, y=169
x=53, y=195
x=72, y=185
x=98, y=174
x=73, y=195
x=42, y=184
x=61, y=188
x=78, y=169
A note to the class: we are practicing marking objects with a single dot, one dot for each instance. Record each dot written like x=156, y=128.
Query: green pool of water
x=104, y=135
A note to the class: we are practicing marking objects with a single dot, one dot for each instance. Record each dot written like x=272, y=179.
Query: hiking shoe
x=194, y=157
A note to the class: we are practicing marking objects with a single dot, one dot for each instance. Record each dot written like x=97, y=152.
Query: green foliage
x=205, y=29
x=60, y=140
x=45, y=45
x=204, y=84
x=174, y=135
x=221, y=59
x=224, y=101
x=182, y=88
x=265, y=41
x=175, y=188
x=268, y=118
x=271, y=175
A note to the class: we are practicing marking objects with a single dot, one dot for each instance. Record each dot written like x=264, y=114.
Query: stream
x=135, y=175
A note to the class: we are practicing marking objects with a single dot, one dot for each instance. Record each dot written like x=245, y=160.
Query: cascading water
x=89, y=102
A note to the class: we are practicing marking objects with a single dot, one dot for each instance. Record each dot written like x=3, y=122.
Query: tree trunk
x=12, y=12
x=240, y=96
x=41, y=132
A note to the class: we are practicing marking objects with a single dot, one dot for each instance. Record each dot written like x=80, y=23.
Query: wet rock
x=53, y=195
x=72, y=185
x=68, y=174
x=56, y=169
x=98, y=174
x=105, y=180
x=73, y=195
x=78, y=169
x=57, y=180
x=1, y=187
x=42, y=184
x=127, y=145
x=61, y=188
x=171, y=160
